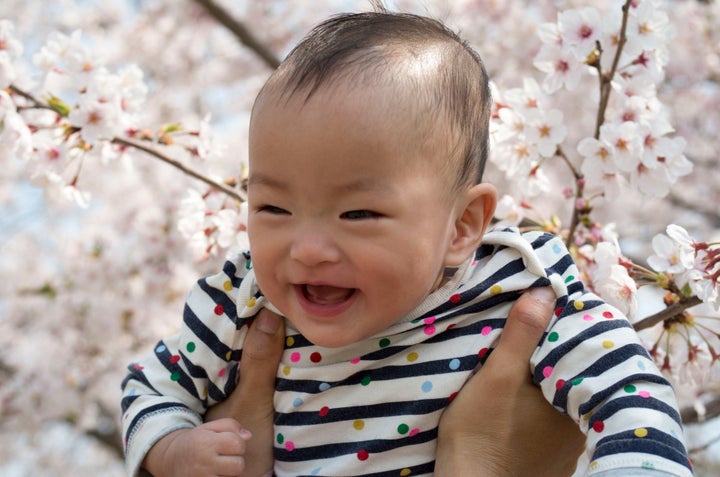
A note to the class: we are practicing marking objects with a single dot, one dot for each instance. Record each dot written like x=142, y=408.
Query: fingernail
x=245, y=434
x=268, y=323
x=544, y=294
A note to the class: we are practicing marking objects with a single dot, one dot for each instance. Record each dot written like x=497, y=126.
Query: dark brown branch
x=669, y=312
x=241, y=32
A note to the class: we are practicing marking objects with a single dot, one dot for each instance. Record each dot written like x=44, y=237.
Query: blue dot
x=324, y=386
x=316, y=471
x=641, y=365
x=298, y=402
x=426, y=386
x=557, y=248
x=160, y=348
x=454, y=364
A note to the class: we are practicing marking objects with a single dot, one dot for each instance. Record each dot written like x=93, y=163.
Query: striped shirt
x=372, y=408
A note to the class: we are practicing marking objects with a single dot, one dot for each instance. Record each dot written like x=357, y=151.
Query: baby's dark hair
x=371, y=47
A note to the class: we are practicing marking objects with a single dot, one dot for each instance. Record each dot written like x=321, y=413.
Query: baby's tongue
x=327, y=295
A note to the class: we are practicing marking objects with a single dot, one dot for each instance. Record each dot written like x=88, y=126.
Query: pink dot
x=486, y=330
x=429, y=321
x=221, y=373
x=644, y=394
x=290, y=445
x=295, y=357
x=587, y=317
x=355, y=361
x=547, y=371
x=413, y=432
x=429, y=330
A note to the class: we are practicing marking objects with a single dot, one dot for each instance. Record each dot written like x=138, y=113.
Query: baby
x=368, y=231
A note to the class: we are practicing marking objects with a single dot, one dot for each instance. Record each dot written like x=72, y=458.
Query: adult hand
x=251, y=403
x=499, y=424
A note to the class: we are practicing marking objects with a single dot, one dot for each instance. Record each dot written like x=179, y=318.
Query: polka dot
x=598, y=426
x=588, y=317
x=227, y=285
x=455, y=298
x=412, y=357
x=576, y=381
x=316, y=357
x=629, y=388
x=607, y=344
x=138, y=368
x=324, y=411
x=569, y=278
x=553, y=337
x=641, y=365
x=608, y=315
x=641, y=432
x=297, y=402
x=547, y=371
x=280, y=439
x=355, y=361
x=251, y=302
x=315, y=471
x=221, y=373
x=324, y=386
x=429, y=321
x=429, y=330
x=174, y=359
x=454, y=364
x=384, y=343
x=558, y=311
x=289, y=341
x=228, y=355
x=426, y=387
x=295, y=357
x=559, y=384
x=556, y=248
x=578, y=305
x=486, y=330
x=160, y=349
x=644, y=394
x=495, y=289
x=414, y=431
x=452, y=396
x=363, y=455
x=175, y=376
x=365, y=380
x=359, y=425
x=190, y=347
x=483, y=354
x=405, y=472
x=403, y=429
x=290, y=446
x=219, y=310
x=286, y=370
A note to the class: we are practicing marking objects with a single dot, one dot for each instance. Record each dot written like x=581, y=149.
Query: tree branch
x=241, y=32
x=669, y=312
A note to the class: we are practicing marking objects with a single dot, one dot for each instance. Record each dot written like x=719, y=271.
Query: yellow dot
x=405, y=472
x=227, y=285
x=204, y=393
x=359, y=425
x=593, y=465
x=608, y=344
x=228, y=355
x=412, y=356
x=289, y=341
x=578, y=305
x=641, y=432
x=495, y=289
x=251, y=302
x=286, y=370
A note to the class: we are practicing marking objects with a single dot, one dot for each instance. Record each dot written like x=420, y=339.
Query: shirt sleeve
x=592, y=365
x=173, y=386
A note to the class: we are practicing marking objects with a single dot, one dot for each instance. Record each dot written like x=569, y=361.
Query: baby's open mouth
x=326, y=294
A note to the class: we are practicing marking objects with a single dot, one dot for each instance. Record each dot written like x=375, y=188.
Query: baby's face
x=349, y=222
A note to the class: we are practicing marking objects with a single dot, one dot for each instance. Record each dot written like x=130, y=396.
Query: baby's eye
x=360, y=215
x=271, y=209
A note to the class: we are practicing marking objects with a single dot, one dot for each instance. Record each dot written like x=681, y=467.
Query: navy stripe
x=655, y=443
x=152, y=410
x=205, y=334
x=633, y=401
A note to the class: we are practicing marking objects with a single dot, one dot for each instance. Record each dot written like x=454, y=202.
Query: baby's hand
x=215, y=448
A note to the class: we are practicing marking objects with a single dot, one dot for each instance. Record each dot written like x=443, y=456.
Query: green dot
x=366, y=380
x=175, y=376
x=190, y=347
x=403, y=428
x=576, y=381
x=280, y=438
x=552, y=337
x=569, y=278
x=630, y=388
x=384, y=342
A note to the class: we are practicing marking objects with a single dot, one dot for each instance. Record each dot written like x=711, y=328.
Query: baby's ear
x=475, y=210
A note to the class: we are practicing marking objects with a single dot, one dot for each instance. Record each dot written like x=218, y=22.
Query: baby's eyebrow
x=359, y=185
x=264, y=180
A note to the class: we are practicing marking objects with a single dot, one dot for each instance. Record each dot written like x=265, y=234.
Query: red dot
x=315, y=357
x=607, y=314
x=324, y=411
x=558, y=310
x=483, y=352
x=174, y=359
x=455, y=298
x=138, y=367
x=219, y=310
x=598, y=426
x=363, y=455
x=452, y=396
x=559, y=384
